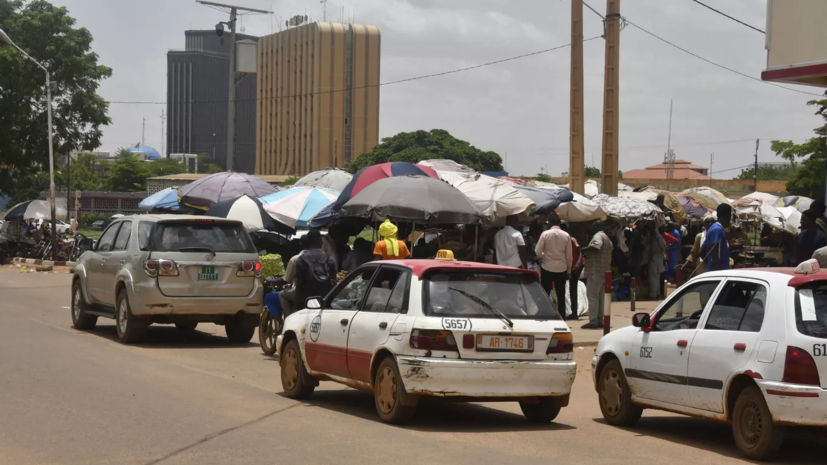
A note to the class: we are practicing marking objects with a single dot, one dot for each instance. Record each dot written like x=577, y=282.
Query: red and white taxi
x=410, y=328
x=747, y=346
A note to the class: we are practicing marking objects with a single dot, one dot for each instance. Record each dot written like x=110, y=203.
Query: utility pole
x=162, y=134
x=68, y=186
x=611, y=100
x=711, y=159
x=143, y=131
x=577, y=170
x=324, y=9
x=669, y=158
x=506, y=162
x=755, y=183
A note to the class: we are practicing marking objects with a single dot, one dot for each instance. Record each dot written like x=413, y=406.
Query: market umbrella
x=331, y=178
x=295, y=207
x=628, y=209
x=792, y=219
x=249, y=211
x=370, y=174
x=166, y=199
x=218, y=187
x=707, y=197
x=580, y=209
x=417, y=199
x=33, y=210
x=670, y=201
x=692, y=208
x=448, y=165
x=547, y=199
x=756, y=198
x=496, y=199
x=801, y=203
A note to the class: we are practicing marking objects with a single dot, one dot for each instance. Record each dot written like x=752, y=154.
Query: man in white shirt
x=554, y=249
x=509, y=245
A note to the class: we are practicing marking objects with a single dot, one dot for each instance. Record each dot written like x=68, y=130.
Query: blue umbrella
x=166, y=199
x=296, y=206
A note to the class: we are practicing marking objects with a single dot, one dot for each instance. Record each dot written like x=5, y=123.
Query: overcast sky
x=520, y=107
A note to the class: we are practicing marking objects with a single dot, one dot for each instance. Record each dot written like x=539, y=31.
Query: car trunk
x=199, y=277
x=495, y=340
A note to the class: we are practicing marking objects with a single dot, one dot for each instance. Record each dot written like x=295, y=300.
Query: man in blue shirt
x=715, y=248
x=810, y=239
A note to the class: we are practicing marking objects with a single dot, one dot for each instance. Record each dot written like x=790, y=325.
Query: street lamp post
x=5, y=38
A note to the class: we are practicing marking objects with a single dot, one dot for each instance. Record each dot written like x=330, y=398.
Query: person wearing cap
x=715, y=245
x=810, y=238
x=598, y=262
x=390, y=248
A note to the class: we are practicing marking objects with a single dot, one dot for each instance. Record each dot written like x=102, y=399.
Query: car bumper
x=795, y=404
x=595, y=362
x=149, y=301
x=471, y=378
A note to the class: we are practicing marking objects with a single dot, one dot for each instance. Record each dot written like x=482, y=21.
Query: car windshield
x=200, y=236
x=514, y=295
x=811, y=310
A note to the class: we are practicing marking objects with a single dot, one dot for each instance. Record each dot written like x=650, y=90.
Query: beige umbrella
x=706, y=196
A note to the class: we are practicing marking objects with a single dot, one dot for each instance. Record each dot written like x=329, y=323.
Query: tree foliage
x=47, y=33
x=205, y=164
x=784, y=172
x=421, y=145
x=128, y=174
x=808, y=179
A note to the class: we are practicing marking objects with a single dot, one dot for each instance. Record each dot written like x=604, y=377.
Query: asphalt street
x=72, y=397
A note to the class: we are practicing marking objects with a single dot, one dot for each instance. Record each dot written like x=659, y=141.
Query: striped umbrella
x=296, y=206
x=249, y=211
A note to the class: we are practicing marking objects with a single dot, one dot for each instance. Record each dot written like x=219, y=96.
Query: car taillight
x=167, y=268
x=151, y=268
x=800, y=368
x=561, y=343
x=249, y=268
x=430, y=339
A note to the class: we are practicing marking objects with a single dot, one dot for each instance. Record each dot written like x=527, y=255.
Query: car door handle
x=344, y=322
x=683, y=343
x=383, y=325
x=122, y=262
x=740, y=346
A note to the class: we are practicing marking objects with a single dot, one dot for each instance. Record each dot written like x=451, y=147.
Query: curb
x=37, y=261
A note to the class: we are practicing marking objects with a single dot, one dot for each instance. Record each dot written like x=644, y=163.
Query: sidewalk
x=621, y=318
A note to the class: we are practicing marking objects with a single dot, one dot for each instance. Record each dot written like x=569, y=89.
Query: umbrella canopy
x=418, y=199
x=580, y=209
x=547, y=200
x=370, y=174
x=331, y=178
x=496, y=199
x=692, y=208
x=296, y=206
x=756, y=198
x=801, y=203
x=218, y=187
x=707, y=197
x=670, y=201
x=249, y=211
x=628, y=209
x=447, y=165
x=792, y=219
x=166, y=199
x=33, y=210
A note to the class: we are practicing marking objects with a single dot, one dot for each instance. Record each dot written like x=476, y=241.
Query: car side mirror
x=641, y=320
x=86, y=244
x=313, y=303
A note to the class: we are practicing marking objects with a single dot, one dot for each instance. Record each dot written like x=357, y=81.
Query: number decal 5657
x=456, y=323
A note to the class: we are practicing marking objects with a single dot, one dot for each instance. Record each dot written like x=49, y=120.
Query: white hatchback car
x=410, y=328
x=747, y=347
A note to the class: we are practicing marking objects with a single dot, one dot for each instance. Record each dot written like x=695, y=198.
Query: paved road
x=70, y=397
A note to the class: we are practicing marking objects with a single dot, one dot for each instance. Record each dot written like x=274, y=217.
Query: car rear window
x=219, y=237
x=811, y=310
x=516, y=295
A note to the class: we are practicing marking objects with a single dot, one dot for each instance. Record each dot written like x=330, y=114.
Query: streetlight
x=5, y=38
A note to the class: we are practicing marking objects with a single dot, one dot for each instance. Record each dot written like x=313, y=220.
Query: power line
x=399, y=81
x=594, y=11
x=751, y=165
x=730, y=17
x=720, y=65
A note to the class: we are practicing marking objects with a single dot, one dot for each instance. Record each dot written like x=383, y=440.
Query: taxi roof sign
x=444, y=254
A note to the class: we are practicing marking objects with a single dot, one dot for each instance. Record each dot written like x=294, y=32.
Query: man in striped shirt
x=598, y=262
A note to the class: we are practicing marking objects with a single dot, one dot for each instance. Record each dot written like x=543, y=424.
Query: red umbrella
x=370, y=174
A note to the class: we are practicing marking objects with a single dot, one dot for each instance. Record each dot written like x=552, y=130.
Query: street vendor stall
x=496, y=199
x=626, y=210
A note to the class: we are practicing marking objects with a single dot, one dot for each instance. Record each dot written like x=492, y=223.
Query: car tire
x=543, y=411
x=268, y=330
x=129, y=330
x=293, y=372
x=186, y=327
x=81, y=319
x=238, y=332
x=615, y=397
x=755, y=434
x=388, y=392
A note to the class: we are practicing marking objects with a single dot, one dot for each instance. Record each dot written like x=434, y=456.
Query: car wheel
x=615, y=397
x=81, y=319
x=129, y=331
x=388, y=392
x=293, y=372
x=238, y=332
x=268, y=330
x=755, y=434
x=543, y=411
x=187, y=327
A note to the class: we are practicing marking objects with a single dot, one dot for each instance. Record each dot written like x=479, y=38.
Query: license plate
x=493, y=342
x=207, y=273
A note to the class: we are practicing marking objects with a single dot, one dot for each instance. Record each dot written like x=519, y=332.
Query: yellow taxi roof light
x=444, y=254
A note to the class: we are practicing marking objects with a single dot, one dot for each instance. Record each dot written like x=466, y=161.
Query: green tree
x=47, y=33
x=87, y=173
x=165, y=167
x=592, y=172
x=421, y=145
x=542, y=177
x=808, y=179
x=128, y=174
x=205, y=164
x=782, y=172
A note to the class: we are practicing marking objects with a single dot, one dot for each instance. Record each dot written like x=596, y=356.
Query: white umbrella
x=792, y=219
x=580, y=209
x=33, y=210
x=495, y=198
x=330, y=178
x=295, y=207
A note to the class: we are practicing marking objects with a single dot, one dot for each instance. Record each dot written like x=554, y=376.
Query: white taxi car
x=410, y=328
x=747, y=347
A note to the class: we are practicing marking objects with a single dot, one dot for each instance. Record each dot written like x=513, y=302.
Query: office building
x=318, y=97
x=197, y=93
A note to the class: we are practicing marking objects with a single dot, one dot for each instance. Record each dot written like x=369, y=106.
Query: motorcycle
x=270, y=322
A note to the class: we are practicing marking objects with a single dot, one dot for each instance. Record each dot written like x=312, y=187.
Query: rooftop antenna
x=143, y=130
x=669, y=157
x=324, y=9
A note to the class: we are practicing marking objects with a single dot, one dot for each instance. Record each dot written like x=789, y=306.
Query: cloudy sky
x=520, y=107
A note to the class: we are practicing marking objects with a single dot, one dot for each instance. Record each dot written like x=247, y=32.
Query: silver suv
x=174, y=269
